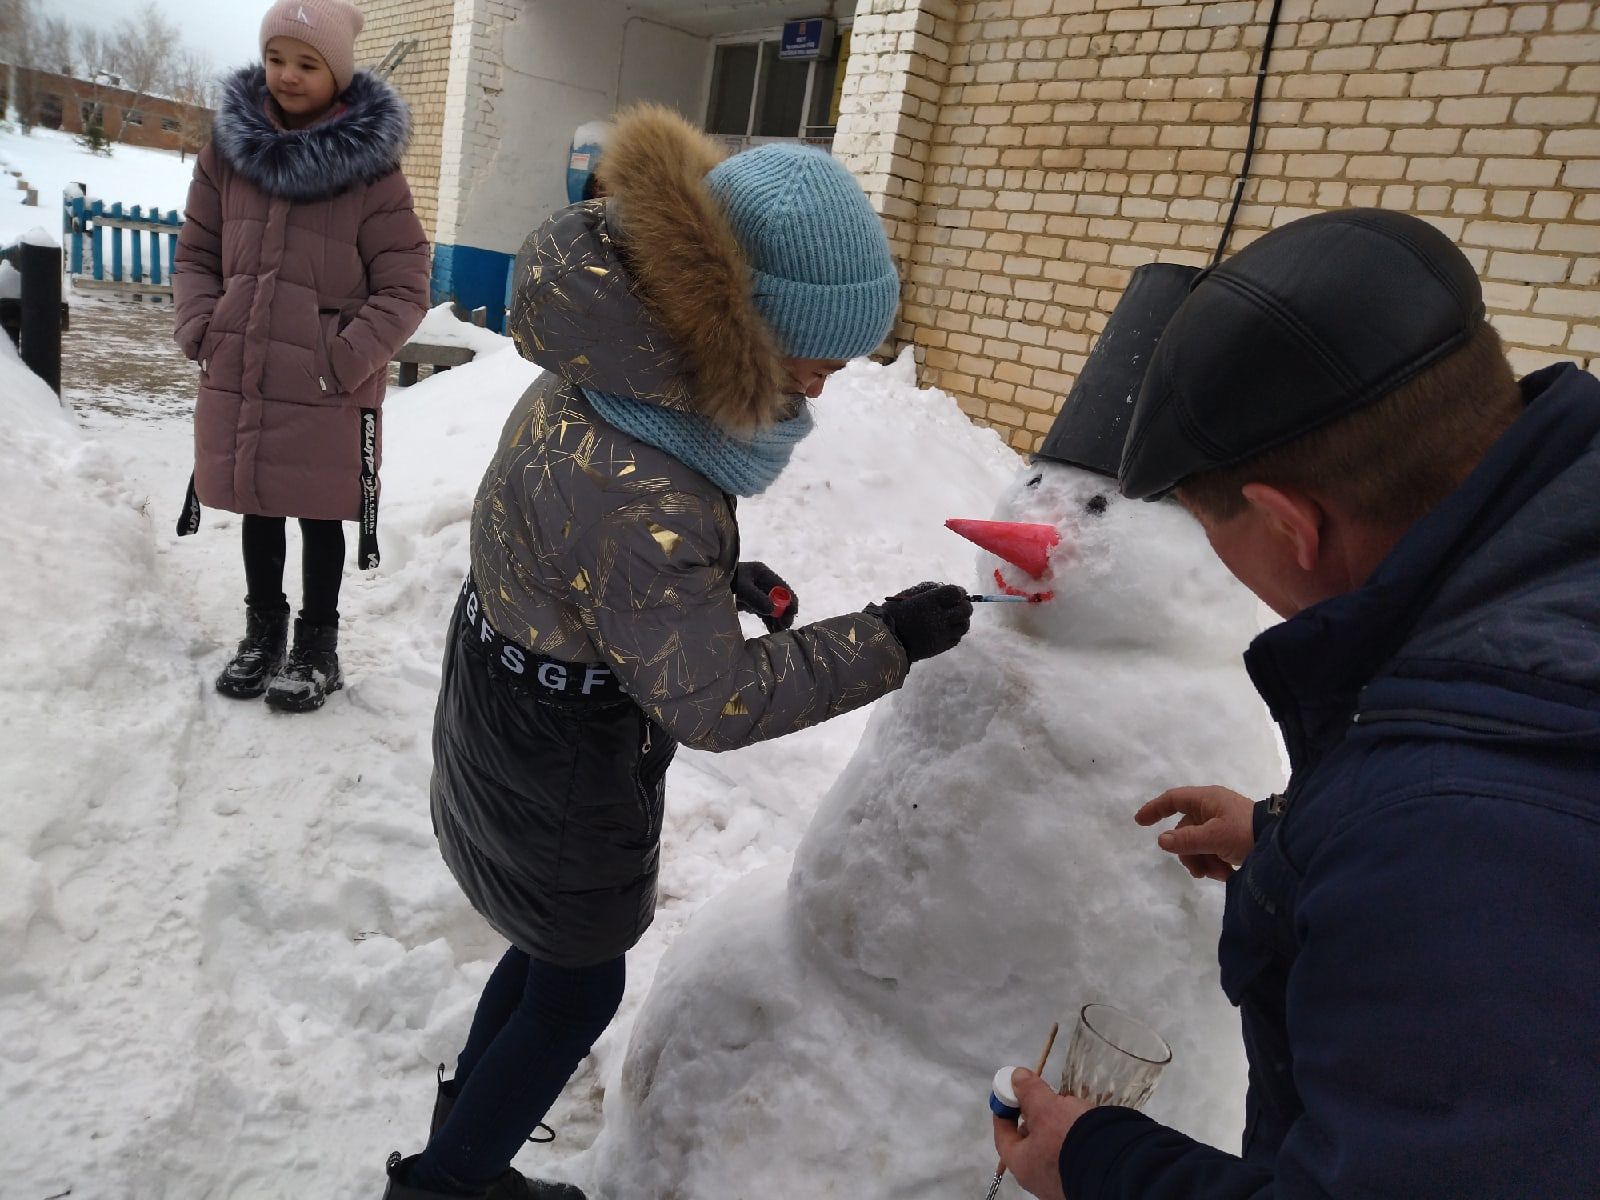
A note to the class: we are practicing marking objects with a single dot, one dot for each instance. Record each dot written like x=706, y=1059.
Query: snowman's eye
x=1096, y=506
x=1036, y=480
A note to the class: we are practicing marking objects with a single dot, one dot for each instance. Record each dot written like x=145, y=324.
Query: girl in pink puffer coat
x=300, y=270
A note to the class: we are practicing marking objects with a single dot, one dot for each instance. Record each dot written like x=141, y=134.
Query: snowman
x=830, y=1029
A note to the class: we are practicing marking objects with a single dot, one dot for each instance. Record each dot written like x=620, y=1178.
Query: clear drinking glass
x=1113, y=1059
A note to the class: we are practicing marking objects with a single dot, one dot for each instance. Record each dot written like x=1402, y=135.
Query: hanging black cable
x=1250, y=140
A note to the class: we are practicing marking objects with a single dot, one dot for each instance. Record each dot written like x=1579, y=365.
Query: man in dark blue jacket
x=1413, y=939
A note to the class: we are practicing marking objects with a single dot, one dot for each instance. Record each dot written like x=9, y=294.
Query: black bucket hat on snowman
x=1093, y=422
x=1315, y=320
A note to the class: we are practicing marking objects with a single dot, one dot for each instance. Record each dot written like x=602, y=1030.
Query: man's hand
x=1216, y=832
x=1031, y=1149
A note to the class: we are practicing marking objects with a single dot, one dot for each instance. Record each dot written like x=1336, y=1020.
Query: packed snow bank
x=70, y=519
x=442, y=328
x=231, y=954
x=72, y=595
x=974, y=874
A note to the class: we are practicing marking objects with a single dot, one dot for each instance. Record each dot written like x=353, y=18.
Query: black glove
x=753, y=583
x=927, y=619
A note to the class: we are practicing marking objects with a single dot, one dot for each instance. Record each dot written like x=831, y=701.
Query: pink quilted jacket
x=300, y=270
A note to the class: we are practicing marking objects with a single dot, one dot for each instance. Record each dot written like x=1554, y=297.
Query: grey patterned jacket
x=591, y=546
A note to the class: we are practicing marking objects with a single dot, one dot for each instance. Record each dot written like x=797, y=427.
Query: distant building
x=62, y=102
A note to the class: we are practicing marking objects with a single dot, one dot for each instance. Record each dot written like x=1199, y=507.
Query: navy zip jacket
x=1414, y=942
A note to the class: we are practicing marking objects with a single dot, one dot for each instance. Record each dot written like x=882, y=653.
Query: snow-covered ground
x=50, y=160
x=229, y=952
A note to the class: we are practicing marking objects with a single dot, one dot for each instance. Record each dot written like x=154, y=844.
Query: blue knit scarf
x=739, y=466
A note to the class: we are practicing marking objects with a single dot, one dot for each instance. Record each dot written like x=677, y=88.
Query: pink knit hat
x=329, y=27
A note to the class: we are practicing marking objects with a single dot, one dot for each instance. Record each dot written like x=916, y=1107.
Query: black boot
x=311, y=672
x=443, y=1101
x=399, y=1189
x=512, y=1185
x=260, y=654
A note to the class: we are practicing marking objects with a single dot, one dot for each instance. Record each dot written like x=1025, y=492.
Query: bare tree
x=57, y=49
x=19, y=35
x=92, y=51
x=191, y=79
x=141, y=51
x=94, y=58
x=16, y=25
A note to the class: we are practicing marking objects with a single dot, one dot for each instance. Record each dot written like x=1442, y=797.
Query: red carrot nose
x=1021, y=545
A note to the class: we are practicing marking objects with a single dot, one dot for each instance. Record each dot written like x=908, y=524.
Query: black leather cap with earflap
x=1312, y=321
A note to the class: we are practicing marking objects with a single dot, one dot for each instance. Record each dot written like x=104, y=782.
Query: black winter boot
x=399, y=1189
x=443, y=1101
x=514, y=1186
x=260, y=654
x=311, y=672
x=510, y=1186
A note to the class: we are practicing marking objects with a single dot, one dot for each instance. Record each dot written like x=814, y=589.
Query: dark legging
x=534, y=1025
x=321, y=567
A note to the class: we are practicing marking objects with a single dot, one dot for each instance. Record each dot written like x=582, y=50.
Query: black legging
x=321, y=567
x=535, y=1023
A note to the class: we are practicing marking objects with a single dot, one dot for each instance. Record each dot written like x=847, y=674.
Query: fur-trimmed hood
x=361, y=142
x=647, y=293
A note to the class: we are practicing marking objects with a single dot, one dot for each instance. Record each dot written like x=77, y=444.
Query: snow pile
x=442, y=328
x=73, y=598
x=229, y=952
x=975, y=873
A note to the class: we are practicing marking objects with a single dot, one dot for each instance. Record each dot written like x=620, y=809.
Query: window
x=733, y=85
x=133, y=117
x=169, y=125
x=51, y=110
x=91, y=113
x=756, y=94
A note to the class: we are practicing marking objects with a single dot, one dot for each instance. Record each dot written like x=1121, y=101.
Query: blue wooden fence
x=97, y=234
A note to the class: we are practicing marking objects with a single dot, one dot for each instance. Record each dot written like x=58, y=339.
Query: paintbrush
x=1049, y=1044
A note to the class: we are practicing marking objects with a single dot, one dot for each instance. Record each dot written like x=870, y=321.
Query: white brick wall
x=1029, y=153
x=420, y=80
x=471, y=116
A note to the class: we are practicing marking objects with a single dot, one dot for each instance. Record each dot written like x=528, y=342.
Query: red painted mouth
x=1008, y=589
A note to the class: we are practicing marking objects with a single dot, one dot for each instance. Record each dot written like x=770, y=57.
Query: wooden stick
x=1049, y=1045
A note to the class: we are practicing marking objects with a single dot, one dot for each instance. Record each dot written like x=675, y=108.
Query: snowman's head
x=1127, y=572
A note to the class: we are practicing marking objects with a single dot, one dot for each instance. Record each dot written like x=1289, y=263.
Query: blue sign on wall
x=807, y=39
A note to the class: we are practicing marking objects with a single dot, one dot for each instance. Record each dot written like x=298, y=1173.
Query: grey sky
x=224, y=29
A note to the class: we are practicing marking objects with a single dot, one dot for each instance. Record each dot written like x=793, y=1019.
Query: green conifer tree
x=93, y=137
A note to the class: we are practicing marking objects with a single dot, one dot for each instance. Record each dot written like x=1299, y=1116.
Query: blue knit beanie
x=823, y=278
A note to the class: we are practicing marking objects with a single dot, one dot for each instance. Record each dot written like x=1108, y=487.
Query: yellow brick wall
x=421, y=80
x=1076, y=139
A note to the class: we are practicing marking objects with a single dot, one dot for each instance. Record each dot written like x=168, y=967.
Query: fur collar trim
x=689, y=269
x=358, y=145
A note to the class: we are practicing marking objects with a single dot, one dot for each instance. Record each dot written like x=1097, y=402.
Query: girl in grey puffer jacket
x=683, y=321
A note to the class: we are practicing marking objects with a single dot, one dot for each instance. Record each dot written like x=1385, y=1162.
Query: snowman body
x=973, y=875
